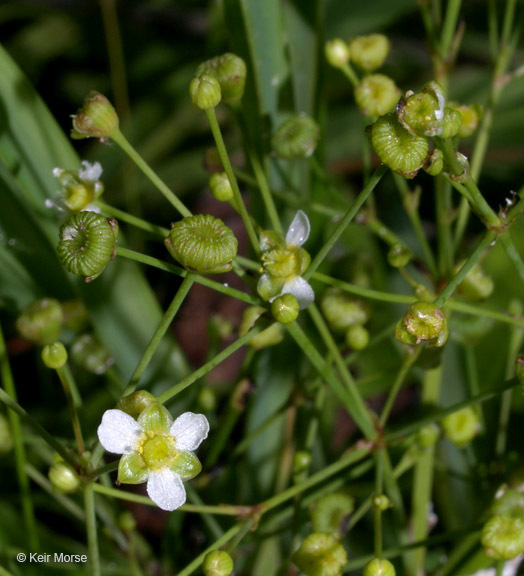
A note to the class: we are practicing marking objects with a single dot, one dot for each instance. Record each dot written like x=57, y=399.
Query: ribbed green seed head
x=320, y=555
x=331, y=513
x=376, y=95
x=341, y=310
x=202, y=243
x=297, y=137
x=503, y=537
x=462, y=426
x=41, y=321
x=369, y=52
x=423, y=322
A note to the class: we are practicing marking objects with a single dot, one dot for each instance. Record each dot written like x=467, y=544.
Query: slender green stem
x=265, y=191
x=160, y=332
x=449, y=27
x=384, y=233
x=121, y=215
x=348, y=217
x=121, y=140
x=444, y=215
x=226, y=163
x=500, y=568
x=8, y=397
x=377, y=511
x=92, y=533
x=208, y=366
x=73, y=400
x=350, y=74
x=513, y=254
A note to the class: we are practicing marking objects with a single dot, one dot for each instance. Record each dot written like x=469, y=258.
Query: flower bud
x=461, y=426
x=379, y=567
x=399, y=255
x=82, y=187
x=337, y=52
x=54, y=355
x=396, y=147
x=434, y=163
x=205, y=92
x=451, y=123
x=369, y=52
x=285, y=308
x=423, y=322
x=376, y=95
x=331, y=513
x=134, y=404
x=218, y=563
x=341, y=310
x=382, y=502
x=6, y=437
x=357, y=337
x=41, y=321
x=301, y=461
x=428, y=435
x=503, y=537
x=320, y=555
x=471, y=116
x=297, y=137
x=90, y=354
x=63, y=477
x=476, y=285
x=422, y=113
x=87, y=244
x=230, y=71
x=95, y=119
x=268, y=337
x=203, y=244
x=126, y=521
x=220, y=187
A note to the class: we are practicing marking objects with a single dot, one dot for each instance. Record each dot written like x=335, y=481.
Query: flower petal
x=155, y=419
x=118, y=432
x=298, y=231
x=132, y=469
x=166, y=490
x=90, y=172
x=301, y=290
x=189, y=430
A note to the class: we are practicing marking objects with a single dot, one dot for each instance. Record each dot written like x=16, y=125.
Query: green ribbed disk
x=202, y=243
x=86, y=244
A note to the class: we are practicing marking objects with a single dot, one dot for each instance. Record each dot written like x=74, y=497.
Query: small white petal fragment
x=166, y=489
x=301, y=290
x=90, y=172
x=189, y=430
x=118, y=432
x=298, y=231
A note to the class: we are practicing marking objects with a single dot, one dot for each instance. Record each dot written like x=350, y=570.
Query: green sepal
x=186, y=465
x=270, y=287
x=132, y=469
x=155, y=419
x=269, y=240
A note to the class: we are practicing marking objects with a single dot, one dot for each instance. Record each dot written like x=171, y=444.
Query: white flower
x=155, y=449
x=80, y=188
x=285, y=262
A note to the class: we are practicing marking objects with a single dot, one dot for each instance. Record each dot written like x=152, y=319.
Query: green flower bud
x=54, y=355
x=95, y=119
x=357, y=337
x=63, y=477
x=379, y=567
x=268, y=337
x=476, y=285
x=203, y=244
x=434, y=164
x=369, y=52
x=399, y=255
x=341, y=310
x=126, y=521
x=41, y=321
x=134, y=404
x=519, y=368
x=509, y=503
x=320, y=555
x=376, y=95
x=301, y=461
x=331, y=513
x=461, y=426
x=218, y=563
x=297, y=137
x=87, y=244
x=471, y=116
x=337, y=53
x=428, y=435
x=205, y=92
x=6, y=437
x=422, y=113
x=382, y=502
x=230, y=71
x=220, y=187
x=285, y=308
x=207, y=399
x=423, y=322
x=451, y=123
x=90, y=354
x=503, y=537
x=396, y=147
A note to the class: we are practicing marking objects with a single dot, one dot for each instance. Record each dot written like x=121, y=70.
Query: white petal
x=118, y=432
x=189, y=430
x=90, y=172
x=298, y=231
x=301, y=290
x=166, y=489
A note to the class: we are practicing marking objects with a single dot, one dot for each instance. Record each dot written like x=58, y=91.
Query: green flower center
x=280, y=263
x=158, y=451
